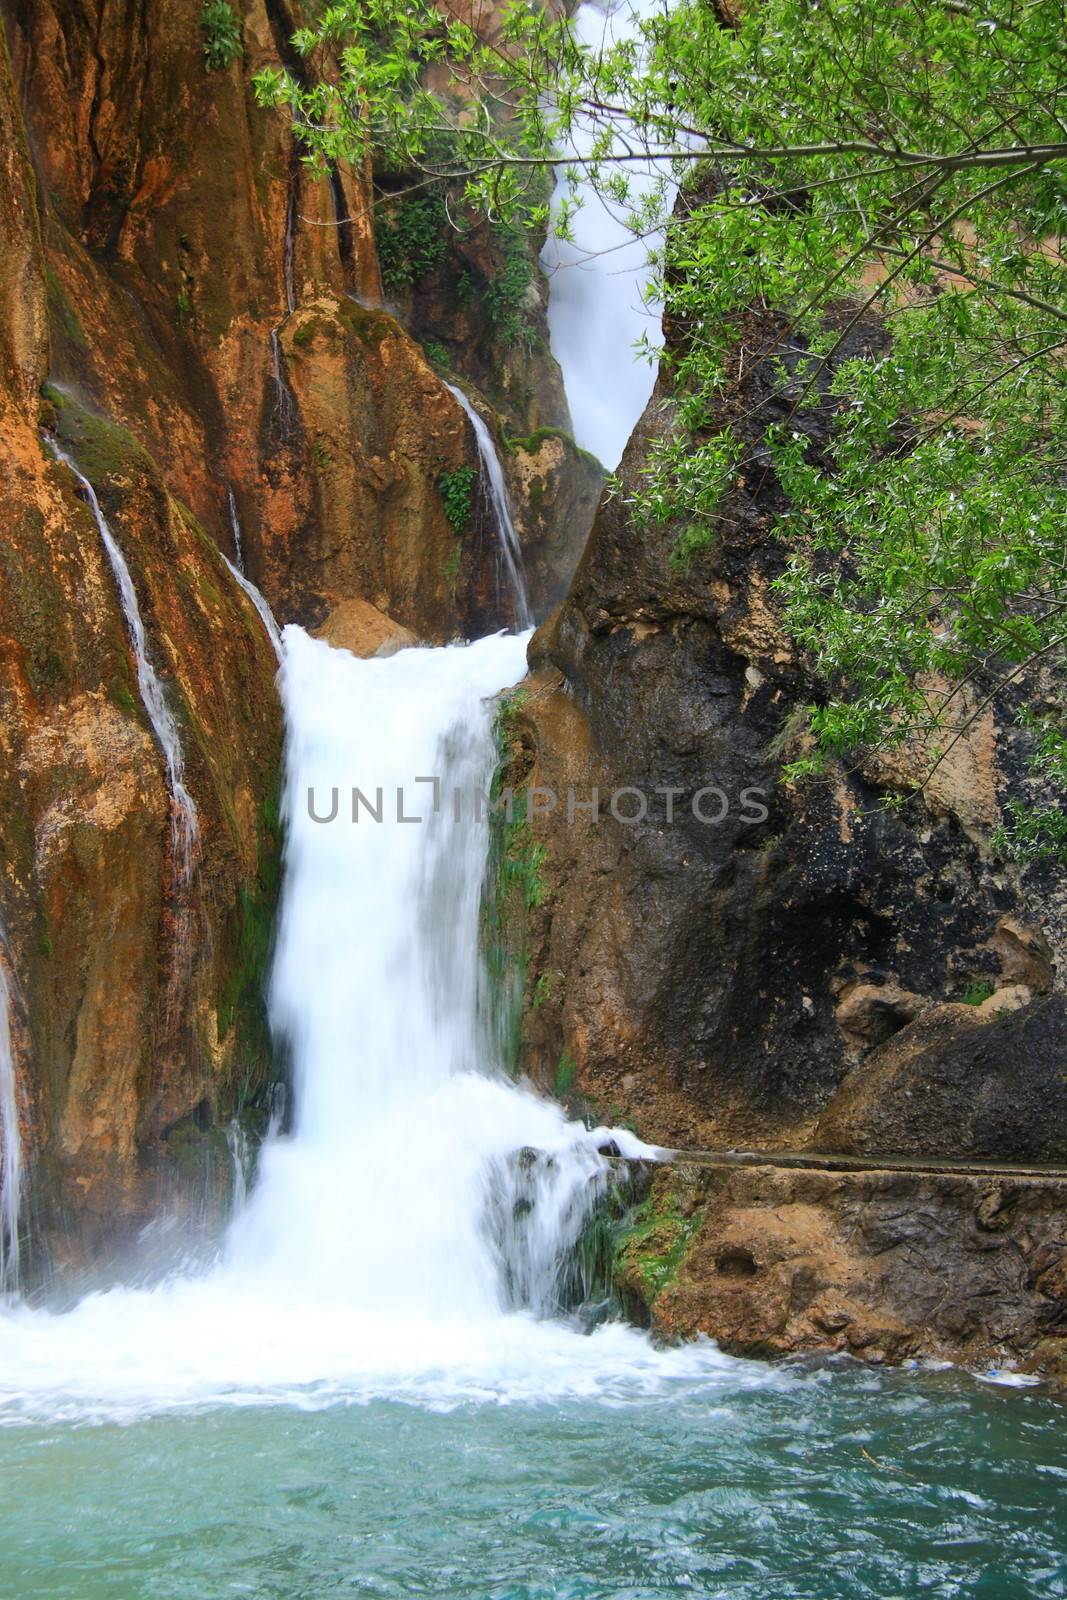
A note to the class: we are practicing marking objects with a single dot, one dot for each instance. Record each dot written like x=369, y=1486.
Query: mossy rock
x=651, y=1248
x=530, y=445
x=102, y=450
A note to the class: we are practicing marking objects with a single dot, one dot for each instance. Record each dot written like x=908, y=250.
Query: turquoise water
x=818, y=1482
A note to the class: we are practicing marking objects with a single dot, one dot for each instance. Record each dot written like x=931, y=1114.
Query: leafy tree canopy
x=840, y=163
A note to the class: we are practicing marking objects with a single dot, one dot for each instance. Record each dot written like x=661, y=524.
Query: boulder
x=954, y=1084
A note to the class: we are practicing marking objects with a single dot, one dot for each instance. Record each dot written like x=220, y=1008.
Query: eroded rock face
x=715, y=977
x=205, y=292
x=555, y=487
x=875, y=1264
x=140, y=996
x=960, y=1083
x=209, y=319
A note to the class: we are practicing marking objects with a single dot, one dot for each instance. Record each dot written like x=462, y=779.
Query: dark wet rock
x=946, y=1085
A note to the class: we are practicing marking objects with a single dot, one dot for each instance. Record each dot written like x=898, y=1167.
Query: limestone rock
x=886, y=1266
x=989, y=1086
x=867, y=1013
x=358, y=626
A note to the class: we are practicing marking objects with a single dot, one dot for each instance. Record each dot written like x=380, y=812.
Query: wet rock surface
x=884, y=1266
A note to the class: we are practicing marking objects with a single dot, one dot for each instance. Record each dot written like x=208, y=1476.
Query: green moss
x=46, y=946
x=515, y=887
x=976, y=993
x=101, y=449
x=693, y=538
x=250, y=939
x=544, y=989
x=369, y=327
x=652, y=1246
x=566, y=1073
x=123, y=698
x=450, y=568
x=62, y=316
x=531, y=443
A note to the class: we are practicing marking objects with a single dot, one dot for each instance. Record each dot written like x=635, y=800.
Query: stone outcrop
x=955, y=1082
x=722, y=958
x=138, y=999
x=207, y=293
x=715, y=970
x=881, y=1265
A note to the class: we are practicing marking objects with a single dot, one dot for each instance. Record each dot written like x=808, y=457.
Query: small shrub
x=457, y=492
x=222, y=35
x=976, y=993
x=437, y=355
x=411, y=241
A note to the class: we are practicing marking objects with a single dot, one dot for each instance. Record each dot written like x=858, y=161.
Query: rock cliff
x=202, y=326
x=721, y=958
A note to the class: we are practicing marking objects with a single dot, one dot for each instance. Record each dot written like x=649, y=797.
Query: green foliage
x=412, y=240
x=450, y=568
x=457, y=492
x=976, y=993
x=222, y=35
x=438, y=355
x=874, y=201
x=506, y=291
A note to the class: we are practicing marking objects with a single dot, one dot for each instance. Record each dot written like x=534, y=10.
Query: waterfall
x=493, y=478
x=597, y=280
x=266, y=615
x=184, y=822
x=240, y=1161
x=10, y=1139
x=406, y=1238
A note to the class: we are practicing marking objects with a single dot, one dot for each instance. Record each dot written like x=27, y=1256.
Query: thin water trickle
x=500, y=503
x=266, y=615
x=184, y=820
x=10, y=1135
x=284, y=403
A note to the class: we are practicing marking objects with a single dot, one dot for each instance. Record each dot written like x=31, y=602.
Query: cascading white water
x=404, y=1238
x=10, y=1137
x=235, y=527
x=493, y=477
x=597, y=280
x=266, y=615
x=184, y=821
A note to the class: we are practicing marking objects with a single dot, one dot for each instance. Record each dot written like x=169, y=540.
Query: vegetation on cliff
x=886, y=187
